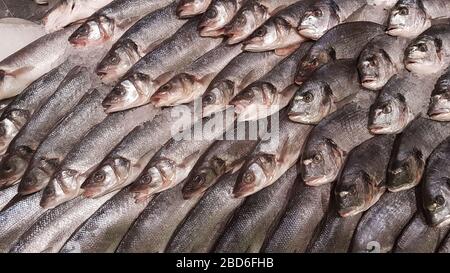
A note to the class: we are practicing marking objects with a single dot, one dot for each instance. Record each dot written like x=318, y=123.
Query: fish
x=344, y=41
x=251, y=16
x=271, y=92
x=429, y=53
x=139, y=40
x=111, y=21
x=279, y=31
x=195, y=78
x=21, y=150
x=190, y=8
x=362, y=180
x=152, y=230
x=157, y=67
x=371, y=13
x=87, y=154
x=272, y=157
x=218, y=15
x=445, y=245
x=332, y=139
x=409, y=18
x=325, y=14
x=20, y=110
x=209, y=216
x=6, y=195
x=28, y=64
x=55, y=226
x=381, y=59
x=246, y=68
x=224, y=156
x=415, y=145
x=418, y=237
x=381, y=225
x=69, y=131
x=439, y=108
x=399, y=102
x=305, y=209
x=69, y=11
x=328, y=88
x=255, y=218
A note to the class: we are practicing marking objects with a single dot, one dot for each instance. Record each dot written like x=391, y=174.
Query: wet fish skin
x=6, y=196
x=255, y=218
x=387, y=4
x=190, y=8
x=218, y=15
x=371, y=13
x=445, y=245
x=439, y=107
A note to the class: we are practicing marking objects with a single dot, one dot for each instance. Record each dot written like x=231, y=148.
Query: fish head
x=407, y=19
x=389, y=116
x=118, y=61
x=61, y=188
x=439, y=108
x=313, y=61
x=354, y=193
x=318, y=19
x=189, y=8
x=311, y=103
x=13, y=165
x=93, y=32
x=38, y=175
x=268, y=36
x=321, y=163
x=405, y=174
x=218, y=14
x=10, y=125
x=375, y=68
x=257, y=175
x=205, y=177
x=60, y=15
x=245, y=22
x=435, y=201
x=424, y=55
x=250, y=101
x=179, y=87
x=217, y=97
x=111, y=174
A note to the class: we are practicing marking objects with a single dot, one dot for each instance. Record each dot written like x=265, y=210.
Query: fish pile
x=228, y=126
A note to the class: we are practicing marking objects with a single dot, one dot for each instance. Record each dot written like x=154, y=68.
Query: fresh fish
x=429, y=53
x=138, y=41
x=271, y=92
x=157, y=67
x=439, y=108
x=195, y=78
x=362, y=180
x=69, y=11
x=31, y=62
x=328, y=88
x=383, y=223
x=209, y=216
x=6, y=195
x=280, y=31
x=370, y=13
x=325, y=14
x=111, y=21
x=239, y=73
x=400, y=101
x=89, y=152
x=305, y=209
x=218, y=15
x=251, y=223
x=20, y=151
x=381, y=59
x=409, y=18
x=50, y=153
x=154, y=227
x=332, y=139
x=190, y=8
x=344, y=41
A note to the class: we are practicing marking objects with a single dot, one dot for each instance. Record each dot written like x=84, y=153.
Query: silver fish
x=218, y=15
x=190, y=8
x=439, y=108
x=6, y=195
x=370, y=13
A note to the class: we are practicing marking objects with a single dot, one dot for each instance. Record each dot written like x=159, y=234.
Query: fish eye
x=241, y=19
x=209, y=98
x=422, y=47
x=261, y=32
x=198, y=179
x=317, y=158
x=403, y=11
x=248, y=177
x=315, y=62
x=211, y=13
x=114, y=59
x=6, y=167
x=317, y=13
x=439, y=200
x=84, y=30
x=166, y=87
x=308, y=97
x=119, y=91
x=387, y=109
x=248, y=94
x=99, y=176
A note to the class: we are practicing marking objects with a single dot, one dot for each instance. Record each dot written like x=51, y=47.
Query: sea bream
x=157, y=67
x=218, y=15
x=190, y=8
x=439, y=108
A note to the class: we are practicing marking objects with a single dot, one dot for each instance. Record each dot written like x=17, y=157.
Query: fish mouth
x=243, y=191
x=395, y=30
x=316, y=180
x=439, y=114
x=194, y=192
x=92, y=191
x=207, y=31
x=301, y=118
x=368, y=79
x=187, y=10
x=234, y=37
x=161, y=99
x=379, y=129
x=350, y=211
x=308, y=32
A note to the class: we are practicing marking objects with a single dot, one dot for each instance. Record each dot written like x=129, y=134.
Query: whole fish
x=280, y=31
x=327, y=89
x=209, y=216
x=344, y=41
x=157, y=67
x=325, y=14
x=252, y=15
x=89, y=152
x=239, y=73
x=271, y=92
x=399, y=102
x=111, y=21
x=362, y=180
x=332, y=139
x=50, y=153
x=429, y=53
x=381, y=225
x=139, y=40
x=195, y=78
x=415, y=145
x=251, y=222
x=6, y=195
x=152, y=230
x=371, y=13
x=31, y=62
x=218, y=15
x=381, y=59
x=20, y=151
x=439, y=108
x=68, y=11
x=305, y=209
x=409, y=18
x=190, y=8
